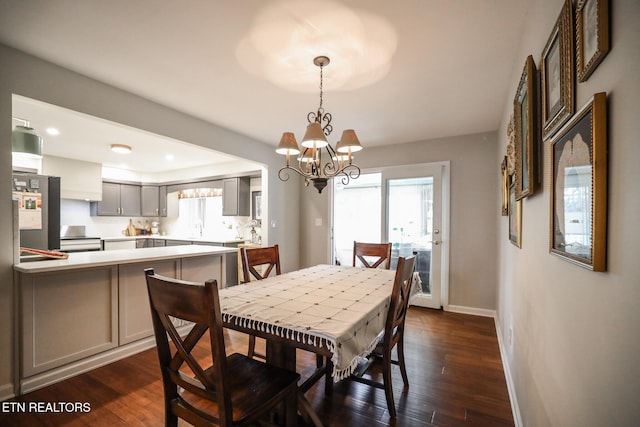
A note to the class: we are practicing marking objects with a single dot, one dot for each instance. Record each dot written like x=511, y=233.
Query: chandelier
x=338, y=162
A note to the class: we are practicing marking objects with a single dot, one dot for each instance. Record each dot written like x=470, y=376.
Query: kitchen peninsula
x=90, y=309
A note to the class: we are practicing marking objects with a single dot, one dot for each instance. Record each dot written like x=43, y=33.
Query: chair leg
x=388, y=388
x=252, y=346
x=170, y=419
x=291, y=408
x=403, y=369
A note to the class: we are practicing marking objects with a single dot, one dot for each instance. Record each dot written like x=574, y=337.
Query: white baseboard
x=515, y=409
x=6, y=392
x=471, y=310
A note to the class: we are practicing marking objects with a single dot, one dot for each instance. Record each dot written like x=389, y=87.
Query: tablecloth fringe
x=341, y=374
x=307, y=338
x=281, y=331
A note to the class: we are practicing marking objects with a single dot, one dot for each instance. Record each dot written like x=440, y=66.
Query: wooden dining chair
x=380, y=252
x=266, y=259
x=235, y=390
x=393, y=335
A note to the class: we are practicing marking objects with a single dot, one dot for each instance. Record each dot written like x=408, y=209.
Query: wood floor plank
x=453, y=361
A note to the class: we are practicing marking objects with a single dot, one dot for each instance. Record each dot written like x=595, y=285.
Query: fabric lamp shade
x=314, y=136
x=349, y=142
x=288, y=144
x=307, y=156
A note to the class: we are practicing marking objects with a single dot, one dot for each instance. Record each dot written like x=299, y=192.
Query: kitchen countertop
x=79, y=260
x=171, y=237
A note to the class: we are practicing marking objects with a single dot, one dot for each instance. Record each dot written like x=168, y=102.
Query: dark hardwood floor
x=453, y=362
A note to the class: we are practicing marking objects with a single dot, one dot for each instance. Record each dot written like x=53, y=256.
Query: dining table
x=337, y=312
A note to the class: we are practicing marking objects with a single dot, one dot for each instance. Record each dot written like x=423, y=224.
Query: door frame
x=445, y=168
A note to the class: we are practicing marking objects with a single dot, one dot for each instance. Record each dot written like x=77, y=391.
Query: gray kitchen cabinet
x=118, y=200
x=178, y=242
x=231, y=261
x=129, y=200
x=236, y=196
x=162, y=200
x=150, y=195
x=158, y=242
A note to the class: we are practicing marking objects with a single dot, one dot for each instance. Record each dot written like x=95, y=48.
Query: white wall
x=31, y=77
x=576, y=350
x=474, y=206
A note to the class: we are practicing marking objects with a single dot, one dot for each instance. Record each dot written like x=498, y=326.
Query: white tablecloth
x=340, y=307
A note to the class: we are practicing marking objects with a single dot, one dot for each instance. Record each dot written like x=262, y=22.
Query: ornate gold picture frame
x=578, y=223
x=557, y=74
x=505, y=187
x=592, y=35
x=515, y=217
x=525, y=132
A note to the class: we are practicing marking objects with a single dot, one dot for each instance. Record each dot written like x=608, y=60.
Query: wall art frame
x=515, y=216
x=506, y=178
x=578, y=217
x=256, y=205
x=526, y=131
x=592, y=36
x=557, y=84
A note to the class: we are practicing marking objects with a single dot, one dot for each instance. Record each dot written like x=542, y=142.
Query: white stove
x=73, y=239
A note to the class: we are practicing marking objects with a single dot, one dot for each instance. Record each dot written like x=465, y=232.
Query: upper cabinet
x=118, y=200
x=162, y=203
x=236, y=196
x=150, y=200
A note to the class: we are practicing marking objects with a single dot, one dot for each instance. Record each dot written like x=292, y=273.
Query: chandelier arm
x=328, y=127
x=284, y=175
x=349, y=175
x=313, y=117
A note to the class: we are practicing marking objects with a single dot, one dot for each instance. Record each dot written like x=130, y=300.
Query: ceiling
x=399, y=72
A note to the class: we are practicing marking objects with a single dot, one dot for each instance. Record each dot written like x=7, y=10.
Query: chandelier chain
x=321, y=67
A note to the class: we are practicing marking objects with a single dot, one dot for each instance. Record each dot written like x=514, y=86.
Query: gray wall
x=576, y=344
x=28, y=76
x=474, y=206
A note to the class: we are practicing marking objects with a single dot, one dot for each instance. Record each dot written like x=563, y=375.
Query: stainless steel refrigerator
x=39, y=210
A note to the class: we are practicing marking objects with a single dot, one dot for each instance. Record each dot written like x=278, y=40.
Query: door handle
x=436, y=242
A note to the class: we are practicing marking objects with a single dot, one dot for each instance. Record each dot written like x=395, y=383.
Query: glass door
x=413, y=224
x=357, y=213
x=401, y=205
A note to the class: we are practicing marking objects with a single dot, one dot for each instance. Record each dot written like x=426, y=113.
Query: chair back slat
x=399, y=299
x=268, y=258
x=372, y=255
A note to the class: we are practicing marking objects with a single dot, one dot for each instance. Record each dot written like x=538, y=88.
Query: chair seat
x=252, y=385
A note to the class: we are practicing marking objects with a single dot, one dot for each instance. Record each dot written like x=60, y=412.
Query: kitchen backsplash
x=76, y=212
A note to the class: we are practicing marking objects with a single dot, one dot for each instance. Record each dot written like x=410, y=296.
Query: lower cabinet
x=67, y=316
x=134, y=315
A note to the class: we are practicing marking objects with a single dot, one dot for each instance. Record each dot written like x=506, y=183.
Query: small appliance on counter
x=73, y=238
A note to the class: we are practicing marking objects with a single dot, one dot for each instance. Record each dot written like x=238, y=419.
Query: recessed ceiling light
x=169, y=157
x=53, y=131
x=120, y=148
